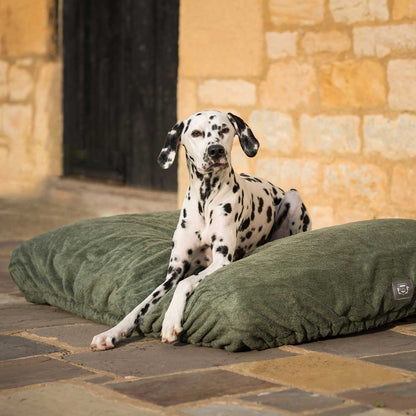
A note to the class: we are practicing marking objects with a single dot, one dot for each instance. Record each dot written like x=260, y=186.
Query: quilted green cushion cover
x=328, y=282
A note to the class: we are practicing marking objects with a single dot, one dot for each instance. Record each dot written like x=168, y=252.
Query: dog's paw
x=171, y=328
x=106, y=340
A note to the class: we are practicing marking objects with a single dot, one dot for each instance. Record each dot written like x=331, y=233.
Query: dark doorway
x=120, y=75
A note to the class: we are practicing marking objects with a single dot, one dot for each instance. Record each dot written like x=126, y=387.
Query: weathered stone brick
x=307, y=12
x=347, y=180
x=229, y=92
x=4, y=66
x=404, y=9
x=187, y=98
x=381, y=41
x=24, y=27
x=332, y=41
x=281, y=45
x=227, y=41
x=240, y=159
x=20, y=83
x=3, y=71
x=45, y=146
x=322, y=216
x=352, y=84
x=275, y=131
x=288, y=86
x=330, y=134
x=360, y=211
x=17, y=120
x=391, y=139
x=401, y=74
x=4, y=154
x=403, y=187
x=300, y=174
x=352, y=11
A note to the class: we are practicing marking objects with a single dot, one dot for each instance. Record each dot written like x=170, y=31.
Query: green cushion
x=328, y=282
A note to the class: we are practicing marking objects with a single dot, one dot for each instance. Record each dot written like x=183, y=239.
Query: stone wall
x=328, y=87
x=30, y=96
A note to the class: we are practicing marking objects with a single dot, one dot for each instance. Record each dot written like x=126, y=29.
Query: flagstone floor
x=46, y=366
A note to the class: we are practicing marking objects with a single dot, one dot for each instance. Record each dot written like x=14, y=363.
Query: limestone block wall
x=30, y=96
x=328, y=87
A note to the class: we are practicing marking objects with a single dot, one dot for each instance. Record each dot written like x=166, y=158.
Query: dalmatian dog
x=224, y=216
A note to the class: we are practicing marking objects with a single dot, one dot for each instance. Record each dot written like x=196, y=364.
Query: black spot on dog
x=249, y=234
x=263, y=240
x=229, y=258
x=239, y=253
x=277, y=201
x=227, y=208
x=261, y=203
x=145, y=309
x=184, y=213
x=303, y=208
x=236, y=187
x=163, y=156
x=269, y=214
x=283, y=215
x=187, y=125
x=168, y=284
x=223, y=250
x=245, y=224
x=155, y=293
x=200, y=176
x=190, y=252
x=186, y=267
x=213, y=237
x=183, y=224
x=306, y=222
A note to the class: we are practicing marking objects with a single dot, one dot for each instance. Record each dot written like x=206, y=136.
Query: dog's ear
x=248, y=142
x=168, y=152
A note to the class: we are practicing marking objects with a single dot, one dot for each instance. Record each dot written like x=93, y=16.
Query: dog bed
x=334, y=281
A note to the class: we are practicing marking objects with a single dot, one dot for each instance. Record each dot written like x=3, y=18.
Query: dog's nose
x=216, y=151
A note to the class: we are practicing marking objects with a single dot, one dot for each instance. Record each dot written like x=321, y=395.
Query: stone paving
x=46, y=368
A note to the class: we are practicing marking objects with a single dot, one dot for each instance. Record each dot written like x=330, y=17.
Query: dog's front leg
x=180, y=264
x=222, y=254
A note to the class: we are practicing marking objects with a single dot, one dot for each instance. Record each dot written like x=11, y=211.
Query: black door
x=120, y=74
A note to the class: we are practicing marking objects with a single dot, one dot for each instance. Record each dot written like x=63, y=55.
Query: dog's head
x=208, y=138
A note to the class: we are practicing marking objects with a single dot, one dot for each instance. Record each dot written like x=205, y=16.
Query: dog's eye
x=196, y=133
x=225, y=130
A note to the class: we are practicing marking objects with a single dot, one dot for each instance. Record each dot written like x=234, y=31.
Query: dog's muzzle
x=217, y=156
x=216, y=152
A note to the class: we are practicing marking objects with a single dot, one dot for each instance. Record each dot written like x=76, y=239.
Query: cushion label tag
x=403, y=289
